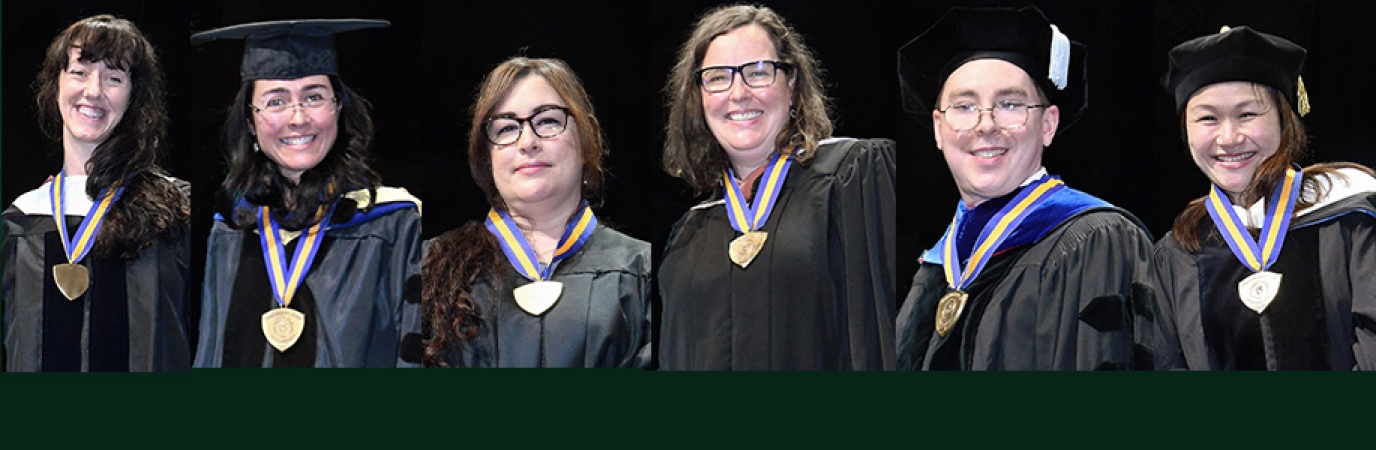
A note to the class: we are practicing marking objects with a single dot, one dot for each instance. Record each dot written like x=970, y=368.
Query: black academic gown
x=361, y=298
x=602, y=318
x=135, y=316
x=1064, y=302
x=820, y=294
x=1322, y=318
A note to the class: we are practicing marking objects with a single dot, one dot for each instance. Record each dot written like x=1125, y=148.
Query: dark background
x=422, y=72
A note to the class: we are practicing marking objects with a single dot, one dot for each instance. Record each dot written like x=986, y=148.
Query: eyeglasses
x=547, y=122
x=278, y=108
x=1008, y=115
x=756, y=74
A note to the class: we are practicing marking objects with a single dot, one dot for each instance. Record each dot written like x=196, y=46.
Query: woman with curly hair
x=790, y=264
x=309, y=260
x=96, y=259
x=540, y=282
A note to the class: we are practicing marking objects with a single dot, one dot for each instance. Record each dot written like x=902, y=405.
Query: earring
x=792, y=112
x=255, y=147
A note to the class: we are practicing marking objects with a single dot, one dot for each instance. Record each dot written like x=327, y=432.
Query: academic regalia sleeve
x=407, y=273
x=643, y=330
x=1172, y=275
x=1362, y=273
x=1086, y=293
x=916, y=320
x=864, y=195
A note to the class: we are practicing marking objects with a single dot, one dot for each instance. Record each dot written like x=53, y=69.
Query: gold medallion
x=1258, y=289
x=72, y=279
x=283, y=326
x=536, y=298
x=744, y=248
x=948, y=310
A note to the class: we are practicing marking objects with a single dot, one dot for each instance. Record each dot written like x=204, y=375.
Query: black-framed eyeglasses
x=279, y=107
x=1008, y=115
x=547, y=122
x=756, y=74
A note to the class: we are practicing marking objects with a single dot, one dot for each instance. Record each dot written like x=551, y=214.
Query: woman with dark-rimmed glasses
x=790, y=264
x=540, y=282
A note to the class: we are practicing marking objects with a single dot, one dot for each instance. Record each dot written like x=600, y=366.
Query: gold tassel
x=1303, y=98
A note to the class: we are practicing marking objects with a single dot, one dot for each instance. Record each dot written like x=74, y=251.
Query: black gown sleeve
x=864, y=196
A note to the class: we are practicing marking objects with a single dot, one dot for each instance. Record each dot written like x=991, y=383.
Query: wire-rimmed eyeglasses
x=1008, y=115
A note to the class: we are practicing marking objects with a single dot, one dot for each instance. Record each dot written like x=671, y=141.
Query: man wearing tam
x=1031, y=274
x=310, y=261
x=1274, y=269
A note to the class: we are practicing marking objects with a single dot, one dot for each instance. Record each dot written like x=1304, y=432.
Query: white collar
x=1357, y=182
x=1036, y=176
x=38, y=202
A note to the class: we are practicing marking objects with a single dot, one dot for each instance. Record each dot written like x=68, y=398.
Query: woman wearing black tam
x=1274, y=269
x=310, y=262
x=96, y=259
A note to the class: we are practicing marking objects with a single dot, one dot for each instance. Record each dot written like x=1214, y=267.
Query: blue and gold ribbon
x=286, y=278
x=750, y=217
x=90, y=226
x=1279, y=209
x=994, y=233
x=522, y=256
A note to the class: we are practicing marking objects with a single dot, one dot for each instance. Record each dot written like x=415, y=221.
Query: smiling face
x=989, y=161
x=297, y=138
x=92, y=98
x=1232, y=127
x=746, y=120
x=533, y=171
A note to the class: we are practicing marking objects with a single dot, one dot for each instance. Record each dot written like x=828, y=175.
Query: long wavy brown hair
x=130, y=155
x=1294, y=145
x=691, y=152
x=458, y=259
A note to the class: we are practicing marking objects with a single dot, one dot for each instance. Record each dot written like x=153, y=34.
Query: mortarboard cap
x=1022, y=36
x=1236, y=54
x=288, y=49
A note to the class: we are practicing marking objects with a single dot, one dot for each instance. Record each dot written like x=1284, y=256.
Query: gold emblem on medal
x=283, y=327
x=743, y=249
x=1259, y=289
x=71, y=279
x=948, y=311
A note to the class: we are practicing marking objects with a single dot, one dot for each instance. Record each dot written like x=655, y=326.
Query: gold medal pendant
x=1258, y=289
x=948, y=310
x=743, y=249
x=71, y=279
x=283, y=326
x=536, y=298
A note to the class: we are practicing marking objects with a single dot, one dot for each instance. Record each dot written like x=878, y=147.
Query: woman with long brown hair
x=96, y=259
x=540, y=282
x=1274, y=268
x=790, y=264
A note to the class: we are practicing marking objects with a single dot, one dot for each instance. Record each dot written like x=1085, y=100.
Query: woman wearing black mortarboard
x=1274, y=269
x=96, y=259
x=310, y=262
x=1031, y=273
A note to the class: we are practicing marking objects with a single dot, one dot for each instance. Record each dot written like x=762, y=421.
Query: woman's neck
x=543, y=224
x=75, y=155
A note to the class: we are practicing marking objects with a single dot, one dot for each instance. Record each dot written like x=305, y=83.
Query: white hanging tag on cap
x=1060, y=58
